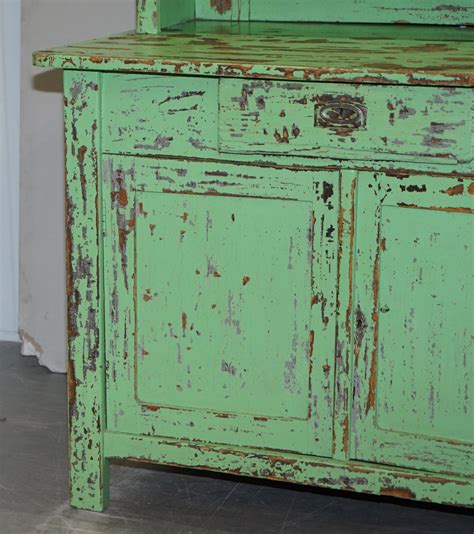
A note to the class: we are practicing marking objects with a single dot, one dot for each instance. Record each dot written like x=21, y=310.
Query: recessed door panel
x=223, y=303
x=426, y=324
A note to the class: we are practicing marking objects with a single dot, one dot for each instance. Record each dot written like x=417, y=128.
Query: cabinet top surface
x=356, y=53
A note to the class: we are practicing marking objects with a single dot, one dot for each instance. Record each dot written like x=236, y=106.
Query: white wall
x=9, y=165
x=48, y=23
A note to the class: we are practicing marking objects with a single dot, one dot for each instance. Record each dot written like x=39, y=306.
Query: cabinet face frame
x=380, y=199
x=127, y=182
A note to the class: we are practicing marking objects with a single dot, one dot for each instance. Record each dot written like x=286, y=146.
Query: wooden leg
x=86, y=378
x=89, y=490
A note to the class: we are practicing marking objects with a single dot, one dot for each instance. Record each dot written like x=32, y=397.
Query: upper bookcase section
x=155, y=15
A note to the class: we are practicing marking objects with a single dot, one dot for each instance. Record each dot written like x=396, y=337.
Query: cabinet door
x=413, y=323
x=221, y=282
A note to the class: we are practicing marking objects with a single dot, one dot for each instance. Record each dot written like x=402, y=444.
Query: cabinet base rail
x=286, y=467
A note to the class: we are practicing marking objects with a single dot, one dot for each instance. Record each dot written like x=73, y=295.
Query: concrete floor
x=33, y=484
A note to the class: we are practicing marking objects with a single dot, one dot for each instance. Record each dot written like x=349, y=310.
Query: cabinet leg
x=89, y=490
x=88, y=467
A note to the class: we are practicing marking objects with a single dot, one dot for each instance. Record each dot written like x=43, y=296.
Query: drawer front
x=159, y=115
x=346, y=121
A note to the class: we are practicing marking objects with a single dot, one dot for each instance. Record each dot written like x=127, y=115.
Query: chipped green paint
x=299, y=57
x=408, y=123
x=271, y=276
x=154, y=15
x=136, y=121
x=279, y=118
x=88, y=467
x=380, y=11
x=147, y=17
x=310, y=470
x=368, y=11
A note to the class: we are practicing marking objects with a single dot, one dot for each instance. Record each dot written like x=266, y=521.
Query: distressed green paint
x=352, y=476
x=344, y=299
x=254, y=117
x=138, y=109
x=409, y=123
x=88, y=467
x=225, y=307
x=368, y=11
x=413, y=320
x=147, y=20
x=223, y=291
x=379, y=11
x=309, y=58
x=426, y=252
x=253, y=291
x=155, y=15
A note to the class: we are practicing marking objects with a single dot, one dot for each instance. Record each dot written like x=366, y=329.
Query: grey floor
x=33, y=484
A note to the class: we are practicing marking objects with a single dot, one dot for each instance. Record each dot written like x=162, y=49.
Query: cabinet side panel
x=87, y=467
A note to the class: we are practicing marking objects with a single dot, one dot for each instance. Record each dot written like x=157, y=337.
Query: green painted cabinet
x=270, y=245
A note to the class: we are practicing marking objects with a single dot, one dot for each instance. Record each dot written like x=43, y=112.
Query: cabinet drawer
x=346, y=121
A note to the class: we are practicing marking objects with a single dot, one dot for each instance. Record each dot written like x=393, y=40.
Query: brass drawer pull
x=339, y=114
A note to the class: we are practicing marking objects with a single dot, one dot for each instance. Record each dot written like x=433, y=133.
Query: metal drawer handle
x=339, y=114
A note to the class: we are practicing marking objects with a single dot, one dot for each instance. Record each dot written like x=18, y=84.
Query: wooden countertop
x=355, y=53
